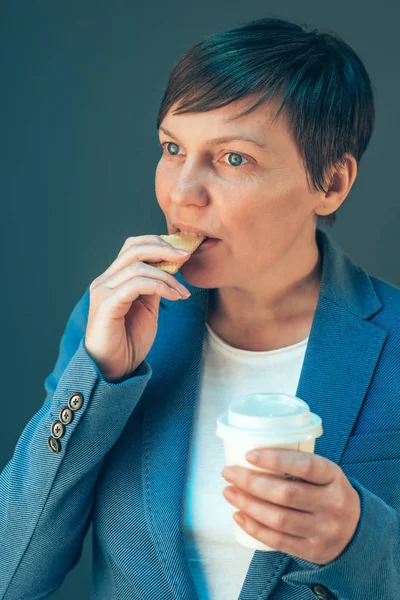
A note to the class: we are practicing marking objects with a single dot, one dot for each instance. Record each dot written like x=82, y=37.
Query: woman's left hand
x=314, y=519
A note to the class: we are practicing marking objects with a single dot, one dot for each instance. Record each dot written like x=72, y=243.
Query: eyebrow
x=226, y=138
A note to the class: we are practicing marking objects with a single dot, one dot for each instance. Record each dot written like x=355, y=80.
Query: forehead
x=227, y=121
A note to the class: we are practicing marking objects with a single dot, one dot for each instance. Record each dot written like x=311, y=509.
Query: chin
x=201, y=276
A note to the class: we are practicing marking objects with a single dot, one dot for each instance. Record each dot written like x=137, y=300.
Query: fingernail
x=183, y=251
x=253, y=456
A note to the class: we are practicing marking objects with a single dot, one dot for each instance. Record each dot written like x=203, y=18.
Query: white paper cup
x=265, y=420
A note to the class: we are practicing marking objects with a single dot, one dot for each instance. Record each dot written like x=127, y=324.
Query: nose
x=183, y=193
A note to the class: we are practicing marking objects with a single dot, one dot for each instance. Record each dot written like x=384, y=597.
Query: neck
x=280, y=298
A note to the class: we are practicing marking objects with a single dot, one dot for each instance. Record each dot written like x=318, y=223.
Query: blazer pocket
x=369, y=447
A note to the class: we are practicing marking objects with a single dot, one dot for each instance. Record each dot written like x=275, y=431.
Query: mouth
x=195, y=230
x=207, y=243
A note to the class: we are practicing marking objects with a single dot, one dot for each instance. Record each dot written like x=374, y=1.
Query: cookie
x=183, y=240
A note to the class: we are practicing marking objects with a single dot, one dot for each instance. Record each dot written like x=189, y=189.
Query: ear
x=341, y=180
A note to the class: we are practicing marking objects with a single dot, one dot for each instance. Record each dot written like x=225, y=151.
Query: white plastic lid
x=268, y=411
x=280, y=418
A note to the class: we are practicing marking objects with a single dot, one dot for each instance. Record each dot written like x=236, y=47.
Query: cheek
x=292, y=194
x=158, y=177
x=161, y=186
x=266, y=222
x=283, y=205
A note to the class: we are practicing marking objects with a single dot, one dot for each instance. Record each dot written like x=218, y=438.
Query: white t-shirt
x=218, y=563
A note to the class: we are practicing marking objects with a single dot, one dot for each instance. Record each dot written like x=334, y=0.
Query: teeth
x=206, y=237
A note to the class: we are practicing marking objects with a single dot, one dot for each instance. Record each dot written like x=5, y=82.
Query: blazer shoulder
x=388, y=317
x=388, y=293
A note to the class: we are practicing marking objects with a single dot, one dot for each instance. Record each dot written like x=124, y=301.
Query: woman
x=275, y=305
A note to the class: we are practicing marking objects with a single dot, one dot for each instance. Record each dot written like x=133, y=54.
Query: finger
x=137, y=269
x=305, y=465
x=282, y=542
x=142, y=239
x=117, y=302
x=278, y=518
x=145, y=253
x=299, y=495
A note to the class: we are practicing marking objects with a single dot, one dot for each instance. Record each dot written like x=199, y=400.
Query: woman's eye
x=235, y=163
x=166, y=144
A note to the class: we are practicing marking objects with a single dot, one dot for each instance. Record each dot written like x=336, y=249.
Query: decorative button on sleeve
x=66, y=415
x=75, y=401
x=57, y=429
x=54, y=444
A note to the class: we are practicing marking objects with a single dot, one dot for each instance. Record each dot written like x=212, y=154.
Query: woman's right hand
x=124, y=305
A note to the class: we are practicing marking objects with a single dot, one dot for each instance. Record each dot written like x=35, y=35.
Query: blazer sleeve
x=46, y=497
x=369, y=566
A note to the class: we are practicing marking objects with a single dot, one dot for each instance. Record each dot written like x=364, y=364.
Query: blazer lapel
x=167, y=425
x=341, y=356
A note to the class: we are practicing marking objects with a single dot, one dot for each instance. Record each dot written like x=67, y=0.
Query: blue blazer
x=123, y=458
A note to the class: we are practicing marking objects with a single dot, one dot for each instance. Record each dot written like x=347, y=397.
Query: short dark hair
x=325, y=91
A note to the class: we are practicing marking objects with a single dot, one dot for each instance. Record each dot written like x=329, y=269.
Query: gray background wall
x=80, y=86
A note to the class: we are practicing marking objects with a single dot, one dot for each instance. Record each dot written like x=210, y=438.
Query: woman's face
x=255, y=199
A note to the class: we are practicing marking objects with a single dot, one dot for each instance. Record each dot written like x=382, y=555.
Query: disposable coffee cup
x=261, y=420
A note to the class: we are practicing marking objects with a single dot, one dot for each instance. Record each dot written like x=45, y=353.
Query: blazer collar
x=341, y=356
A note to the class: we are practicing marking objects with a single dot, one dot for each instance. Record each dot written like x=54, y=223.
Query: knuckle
x=252, y=484
x=95, y=286
x=141, y=281
x=338, y=502
x=131, y=250
x=249, y=479
x=259, y=486
x=137, y=285
x=307, y=467
x=157, y=239
x=274, y=462
x=125, y=245
x=153, y=240
x=280, y=520
x=288, y=494
x=174, y=286
x=135, y=268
